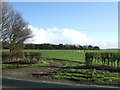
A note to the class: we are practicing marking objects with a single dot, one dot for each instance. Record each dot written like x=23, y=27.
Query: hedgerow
x=105, y=58
x=26, y=57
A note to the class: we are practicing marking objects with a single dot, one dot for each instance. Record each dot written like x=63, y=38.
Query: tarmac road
x=13, y=83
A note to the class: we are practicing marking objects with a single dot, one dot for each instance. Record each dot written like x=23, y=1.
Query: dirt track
x=26, y=72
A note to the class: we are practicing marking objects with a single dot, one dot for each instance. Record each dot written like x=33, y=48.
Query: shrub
x=13, y=56
x=88, y=58
x=105, y=58
x=32, y=55
x=22, y=57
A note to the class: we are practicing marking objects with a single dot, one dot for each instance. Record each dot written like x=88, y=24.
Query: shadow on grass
x=97, y=67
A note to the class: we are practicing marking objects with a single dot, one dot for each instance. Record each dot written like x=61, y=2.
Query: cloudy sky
x=84, y=23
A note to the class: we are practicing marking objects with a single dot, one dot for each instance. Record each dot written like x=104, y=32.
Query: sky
x=84, y=23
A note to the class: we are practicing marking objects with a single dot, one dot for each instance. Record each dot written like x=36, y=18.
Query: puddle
x=50, y=60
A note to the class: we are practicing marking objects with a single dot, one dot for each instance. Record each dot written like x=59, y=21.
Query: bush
x=13, y=56
x=32, y=55
x=104, y=58
x=21, y=57
x=88, y=58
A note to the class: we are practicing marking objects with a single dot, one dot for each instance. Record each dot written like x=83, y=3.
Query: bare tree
x=14, y=29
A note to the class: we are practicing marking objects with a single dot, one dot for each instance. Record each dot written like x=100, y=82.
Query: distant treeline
x=55, y=46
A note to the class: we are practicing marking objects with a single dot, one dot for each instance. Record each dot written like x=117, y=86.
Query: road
x=13, y=83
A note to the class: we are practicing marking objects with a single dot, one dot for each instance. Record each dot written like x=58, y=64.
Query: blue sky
x=96, y=20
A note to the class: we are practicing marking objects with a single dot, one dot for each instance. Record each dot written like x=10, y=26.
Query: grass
x=89, y=75
x=75, y=59
x=71, y=55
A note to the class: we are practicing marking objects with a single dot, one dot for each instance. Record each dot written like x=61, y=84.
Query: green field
x=69, y=55
x=75, y=60
x=73, y=55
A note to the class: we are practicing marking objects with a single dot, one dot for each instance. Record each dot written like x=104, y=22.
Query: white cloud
x=67, y=36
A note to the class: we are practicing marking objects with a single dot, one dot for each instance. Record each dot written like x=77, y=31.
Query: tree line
x=60, y=46
x=54, y=46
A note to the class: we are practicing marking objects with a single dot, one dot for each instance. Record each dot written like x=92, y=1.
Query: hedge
x=110, y=59
x=21, y=56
